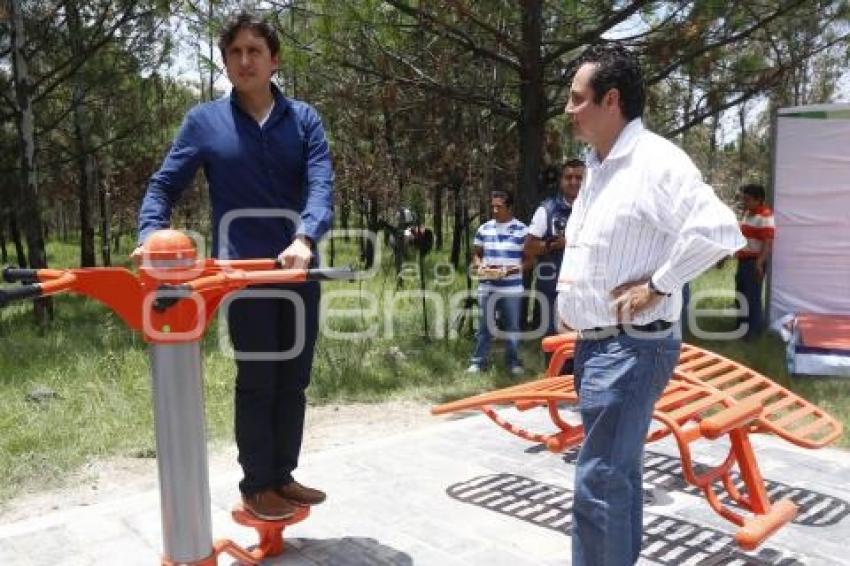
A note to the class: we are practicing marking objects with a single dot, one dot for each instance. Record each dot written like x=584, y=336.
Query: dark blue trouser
x=269, y=398
x=549, y=291
x=547, y=271
x=618, y=380
x=749, y=285
x=548, y=288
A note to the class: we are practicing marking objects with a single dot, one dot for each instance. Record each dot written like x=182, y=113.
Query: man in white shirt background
x=498, y=260
x=643, y=224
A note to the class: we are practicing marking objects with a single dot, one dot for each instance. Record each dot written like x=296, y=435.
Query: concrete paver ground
x=464, y=492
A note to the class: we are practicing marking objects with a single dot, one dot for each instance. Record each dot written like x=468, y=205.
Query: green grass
x=99, y=371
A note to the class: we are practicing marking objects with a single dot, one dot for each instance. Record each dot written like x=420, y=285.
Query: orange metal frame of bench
x=709, y=396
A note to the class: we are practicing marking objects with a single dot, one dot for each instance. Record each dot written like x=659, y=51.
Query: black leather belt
x=604, y=332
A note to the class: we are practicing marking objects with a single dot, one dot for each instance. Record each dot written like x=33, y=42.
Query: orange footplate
x=708, y=397
x=270, y=532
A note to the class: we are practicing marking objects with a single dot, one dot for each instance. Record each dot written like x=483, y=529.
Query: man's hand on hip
x=632, y=298
x=297, y=255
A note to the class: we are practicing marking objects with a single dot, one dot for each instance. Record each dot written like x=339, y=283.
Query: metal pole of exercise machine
x=180, y=429
x=181, y=451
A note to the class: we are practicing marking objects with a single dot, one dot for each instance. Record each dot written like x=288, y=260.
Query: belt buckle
x=655, y=329
x=600, y=333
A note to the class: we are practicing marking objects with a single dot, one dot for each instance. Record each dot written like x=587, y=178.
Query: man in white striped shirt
x=643, y=225
x=498, y=261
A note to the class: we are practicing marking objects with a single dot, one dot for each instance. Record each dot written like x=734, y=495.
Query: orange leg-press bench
x=708, y=397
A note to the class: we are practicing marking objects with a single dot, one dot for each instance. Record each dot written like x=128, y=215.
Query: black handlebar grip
x=14, y=274
x=19, y=294
x=168, y=295
x=333, y=274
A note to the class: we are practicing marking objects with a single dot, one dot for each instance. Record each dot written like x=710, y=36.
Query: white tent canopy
x=810, y=270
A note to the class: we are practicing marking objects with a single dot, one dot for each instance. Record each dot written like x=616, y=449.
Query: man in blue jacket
x=545, y=239
x=270, y=179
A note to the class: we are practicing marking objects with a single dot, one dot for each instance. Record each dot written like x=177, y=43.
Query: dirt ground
x=327, y=426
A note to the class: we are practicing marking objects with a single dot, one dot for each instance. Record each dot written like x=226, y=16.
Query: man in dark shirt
x=270, y=179
x=545, y=239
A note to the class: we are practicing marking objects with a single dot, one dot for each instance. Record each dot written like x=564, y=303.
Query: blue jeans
x=618, y=380
x=508, y=306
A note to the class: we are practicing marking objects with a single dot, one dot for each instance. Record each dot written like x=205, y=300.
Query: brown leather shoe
x=300, y=494
x=268, y=505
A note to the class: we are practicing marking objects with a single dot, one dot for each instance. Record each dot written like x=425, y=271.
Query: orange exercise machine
x=171, y=302
x=709, y=396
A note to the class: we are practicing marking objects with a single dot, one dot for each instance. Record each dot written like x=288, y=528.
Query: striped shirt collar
x=626, y=141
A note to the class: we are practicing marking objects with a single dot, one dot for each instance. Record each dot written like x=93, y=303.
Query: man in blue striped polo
x=498, y=262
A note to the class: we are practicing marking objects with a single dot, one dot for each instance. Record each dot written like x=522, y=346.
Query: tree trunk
x=533, y=100
x=686, y=112
x=712, y=148
x=438, y=216
x=292, y=32
x=742, y=120
x=117, y=233
x=30, y=208
x=15, y=234
x=372, y=226
x=395, y=162
x=331, y=252
x=361, y=212
x=373, y=212
x=202, y=79
x=4, y=255
x=63, y=221
x=344, y=212
x=87, y=183
x=457, y=229
x=105, y=192
x=105, y=221
x=467, y=241
x=211, y=41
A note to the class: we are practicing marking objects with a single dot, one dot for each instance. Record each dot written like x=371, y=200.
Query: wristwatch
x=656, y=290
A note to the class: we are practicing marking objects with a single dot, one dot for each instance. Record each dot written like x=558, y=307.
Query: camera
x=559, y=227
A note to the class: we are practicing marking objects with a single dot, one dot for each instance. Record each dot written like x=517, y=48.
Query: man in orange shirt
x=758, y=228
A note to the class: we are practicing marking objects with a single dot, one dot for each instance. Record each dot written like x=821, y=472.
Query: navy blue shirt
x=267, y=184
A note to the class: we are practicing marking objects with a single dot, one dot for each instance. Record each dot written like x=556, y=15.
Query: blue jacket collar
x=281, y=103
